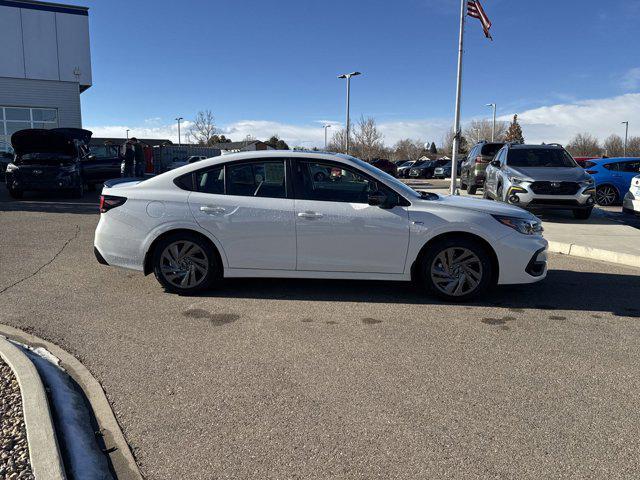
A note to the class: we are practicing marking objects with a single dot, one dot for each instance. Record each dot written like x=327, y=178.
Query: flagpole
x=456, y=125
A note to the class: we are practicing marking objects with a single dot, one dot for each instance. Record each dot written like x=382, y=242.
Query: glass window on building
x=13, y=119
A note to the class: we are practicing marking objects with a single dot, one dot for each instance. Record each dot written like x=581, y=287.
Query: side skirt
x=254, y=273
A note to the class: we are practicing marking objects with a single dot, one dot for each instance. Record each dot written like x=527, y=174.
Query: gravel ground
x=14, y=456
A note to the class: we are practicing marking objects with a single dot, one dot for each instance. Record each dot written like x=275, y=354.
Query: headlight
x=11, y=167
x=588, y=183
x=525, y=226
x=517, y=180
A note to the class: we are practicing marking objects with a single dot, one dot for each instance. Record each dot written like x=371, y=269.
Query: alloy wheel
x=456, y=271
x=184, y=264
x=606, y=195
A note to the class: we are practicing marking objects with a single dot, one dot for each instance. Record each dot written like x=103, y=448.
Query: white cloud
x=555, y=123
x=600, y=117
x=631, y=79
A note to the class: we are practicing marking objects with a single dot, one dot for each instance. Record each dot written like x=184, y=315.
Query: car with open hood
x=291, y=214
x=47, y=160
x=540, y=177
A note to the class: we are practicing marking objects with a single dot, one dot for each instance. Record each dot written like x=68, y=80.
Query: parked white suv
x=269, y=214
x=631, y=202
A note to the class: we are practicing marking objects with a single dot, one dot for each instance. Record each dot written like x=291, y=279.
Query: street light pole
x=179, y=119
x=456, y=123
x=493, y=128
x=626, y=137
x=348, y=77
x=325, y=135
x=127, y=134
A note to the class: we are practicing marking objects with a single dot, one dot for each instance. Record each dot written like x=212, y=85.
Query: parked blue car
x=613, y=177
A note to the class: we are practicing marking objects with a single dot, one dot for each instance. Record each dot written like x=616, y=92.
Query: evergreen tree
x=514, y=133
x=432, y=149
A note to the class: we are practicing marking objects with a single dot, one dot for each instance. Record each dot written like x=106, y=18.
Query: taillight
x=591, y=172
x=107, y=202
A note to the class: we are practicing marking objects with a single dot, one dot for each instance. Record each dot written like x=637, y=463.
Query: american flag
x=475, y=10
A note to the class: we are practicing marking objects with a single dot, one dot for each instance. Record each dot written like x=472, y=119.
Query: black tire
x=17, y=194
x=499, y=192
x=582, y=214
x=210, y=259
x=482, y=268
x=607, y=195
x=472, y=189
x=463, y=185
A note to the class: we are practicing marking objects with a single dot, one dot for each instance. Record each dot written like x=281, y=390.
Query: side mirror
x=495, y=163
x=377, y=199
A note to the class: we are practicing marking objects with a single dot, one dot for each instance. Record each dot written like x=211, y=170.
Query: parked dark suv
x=472, y=173
x=426, y=169
x=48, y=160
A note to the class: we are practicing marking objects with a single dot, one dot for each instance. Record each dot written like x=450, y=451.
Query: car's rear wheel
x=463, y=184
x=606, y=195
x=582, y=213
x=184, y=263
x=472, y=189
x=457, y=269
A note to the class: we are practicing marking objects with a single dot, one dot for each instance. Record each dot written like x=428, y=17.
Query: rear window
x=540, y=158
x=490, y=149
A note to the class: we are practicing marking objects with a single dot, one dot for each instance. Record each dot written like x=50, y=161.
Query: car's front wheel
x=184, y=263
x=457, y=269
x=606, y=195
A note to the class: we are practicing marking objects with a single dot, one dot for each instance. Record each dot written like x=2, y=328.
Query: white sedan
x=631, y=202
x=312, y=215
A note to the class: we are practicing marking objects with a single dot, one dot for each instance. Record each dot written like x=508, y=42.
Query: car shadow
x=562, y=290
x=54, y=202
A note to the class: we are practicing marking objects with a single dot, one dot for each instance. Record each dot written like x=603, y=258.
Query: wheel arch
x=148, y=257
x=495, y=264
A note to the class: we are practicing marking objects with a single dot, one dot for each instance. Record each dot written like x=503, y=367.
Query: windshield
x=388, y=179
x=407, y=164
x=540, y=158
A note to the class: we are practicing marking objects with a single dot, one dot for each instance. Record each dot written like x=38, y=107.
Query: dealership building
x=45, y=64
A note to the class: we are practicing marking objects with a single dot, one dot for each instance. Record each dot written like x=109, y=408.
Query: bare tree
x=447, y=143
x=408, y=149
x=338, y=142
x=633, y=147
x=478, y=130
x=368, y=139
x=613, y=146
x=203, y=128
x=584, y=145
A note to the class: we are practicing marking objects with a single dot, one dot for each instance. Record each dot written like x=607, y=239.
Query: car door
x=628, y=170
x=337, y=229
x=492, y=174
x=245, y=206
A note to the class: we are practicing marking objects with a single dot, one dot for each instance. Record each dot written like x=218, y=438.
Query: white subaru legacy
x=312, y=215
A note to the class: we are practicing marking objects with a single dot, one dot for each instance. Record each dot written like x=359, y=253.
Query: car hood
x=478, y=205
x=55, y=140
x=552, y=174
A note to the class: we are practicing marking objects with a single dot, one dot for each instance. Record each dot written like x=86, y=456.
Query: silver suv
x=540, y=177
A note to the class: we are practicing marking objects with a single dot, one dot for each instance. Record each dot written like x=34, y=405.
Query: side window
x=257, y=179
x=211, y=181
x=331, y=183
x=633, y=167
x=614, y=167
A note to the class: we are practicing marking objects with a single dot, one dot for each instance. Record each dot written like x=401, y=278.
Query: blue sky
x=270, y=67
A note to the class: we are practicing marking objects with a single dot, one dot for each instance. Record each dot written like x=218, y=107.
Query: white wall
x=44, y=45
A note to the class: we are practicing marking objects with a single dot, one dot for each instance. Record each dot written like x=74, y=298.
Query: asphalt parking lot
x=327, y=379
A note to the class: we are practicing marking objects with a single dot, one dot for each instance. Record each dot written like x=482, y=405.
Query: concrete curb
x=610, y=256
x=44, y=454
x=120, y=455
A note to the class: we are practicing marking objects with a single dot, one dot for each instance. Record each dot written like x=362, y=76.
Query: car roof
x=534, y=146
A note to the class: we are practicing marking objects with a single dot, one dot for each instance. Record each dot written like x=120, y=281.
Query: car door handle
x=212, y=209
x=310, y=215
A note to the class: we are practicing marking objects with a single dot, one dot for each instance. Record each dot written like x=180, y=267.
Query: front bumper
x=631, y=202
x=59, y=182
x=522, y=196
x=522, y=258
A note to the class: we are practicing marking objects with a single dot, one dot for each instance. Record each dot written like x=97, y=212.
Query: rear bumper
x=99, y=256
